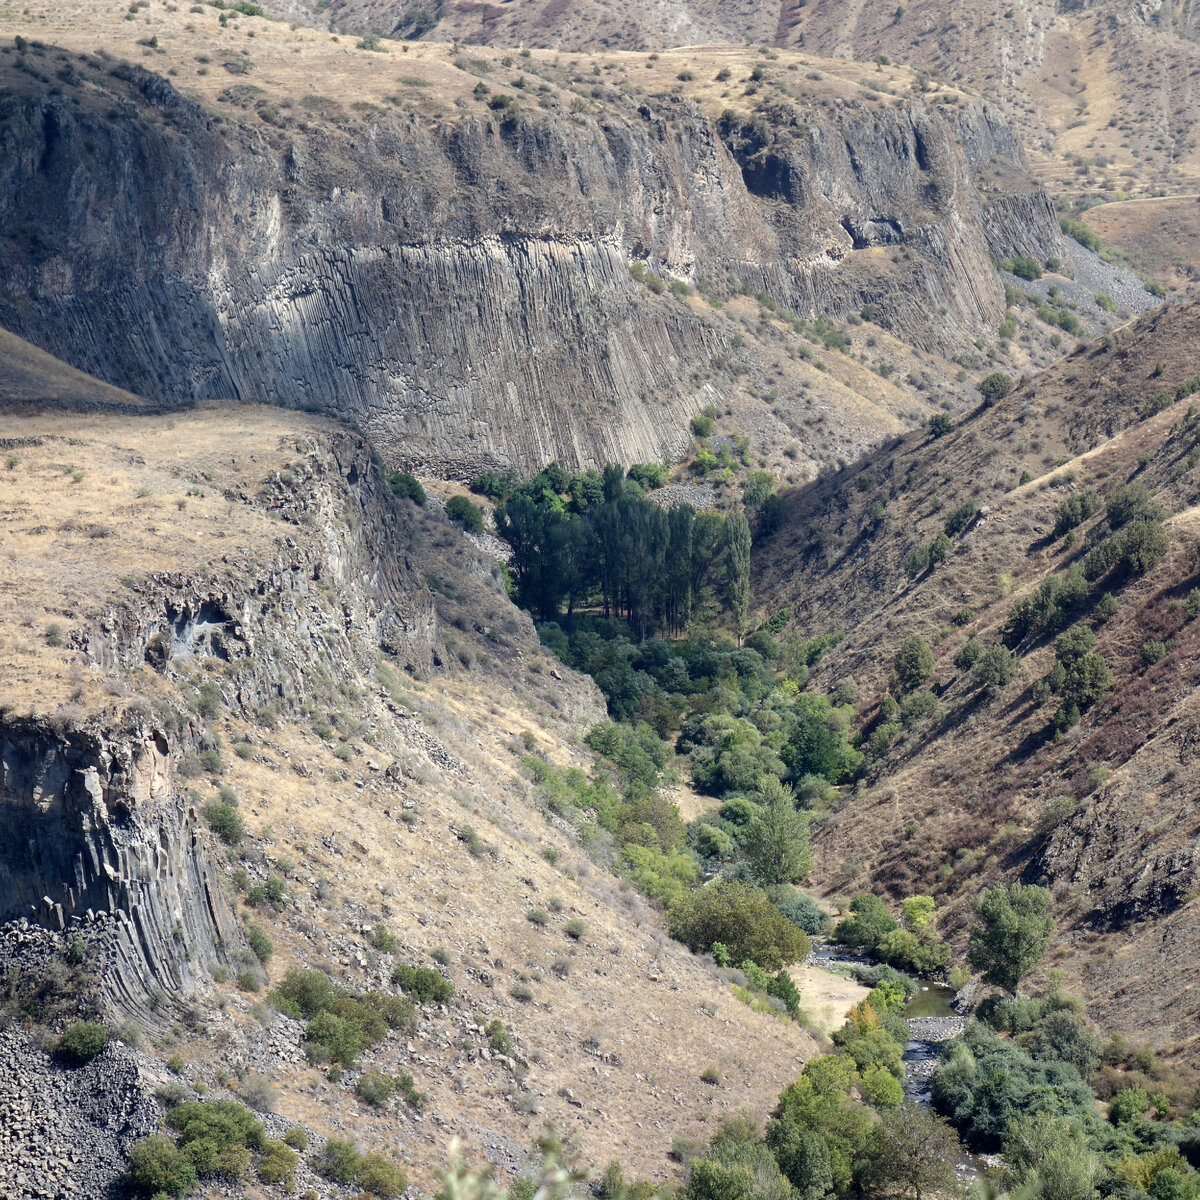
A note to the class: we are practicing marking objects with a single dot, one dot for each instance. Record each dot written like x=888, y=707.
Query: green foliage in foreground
x=837, y=1128
x=218, y=1139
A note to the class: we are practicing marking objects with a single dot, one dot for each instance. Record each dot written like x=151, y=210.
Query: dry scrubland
x=962, y=800
x=1160, y=237
x=291, y=61
x=367, y=827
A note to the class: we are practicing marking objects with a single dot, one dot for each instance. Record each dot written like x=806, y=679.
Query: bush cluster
x=824, y=1137
x=343, y=1162
x=741, y=918
x=426, y=985
x=340, y=1024
x=910, y=945
x=217, y=1140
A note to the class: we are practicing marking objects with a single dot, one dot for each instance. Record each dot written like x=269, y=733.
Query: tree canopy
x=1012, y=930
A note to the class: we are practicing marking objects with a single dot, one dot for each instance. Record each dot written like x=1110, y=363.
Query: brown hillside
x=1159, y=237
x=962, y=797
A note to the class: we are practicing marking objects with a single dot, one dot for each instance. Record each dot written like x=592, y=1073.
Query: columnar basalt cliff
x=460, y=287
x=98, y=838
x=339, y=588
x=100, y=833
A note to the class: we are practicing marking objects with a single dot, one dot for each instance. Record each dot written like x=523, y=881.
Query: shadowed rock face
x=93, y=832
x=460, y=290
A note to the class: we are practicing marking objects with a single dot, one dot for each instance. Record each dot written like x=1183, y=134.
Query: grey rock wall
x=95, y=836
x=461, y=289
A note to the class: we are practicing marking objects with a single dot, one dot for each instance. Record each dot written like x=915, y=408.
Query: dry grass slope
x=962, y=800
x=366, y=825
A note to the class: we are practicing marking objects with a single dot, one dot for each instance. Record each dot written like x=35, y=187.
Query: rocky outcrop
x=337, y=589
x=96, y=838
x=461, y=289
x=99, y=834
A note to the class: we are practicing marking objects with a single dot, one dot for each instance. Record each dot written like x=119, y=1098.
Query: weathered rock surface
x=64, y=1130
x=460, y=288
x=93, y=831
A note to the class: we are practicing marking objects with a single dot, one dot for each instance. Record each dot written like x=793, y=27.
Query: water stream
x=932, y=1022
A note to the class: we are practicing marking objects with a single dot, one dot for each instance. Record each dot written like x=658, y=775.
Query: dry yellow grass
x=656, y=1018
x=622, y=1022
x=827, y=997
x=87, y=501
x=290, y=62
x=1160, y=237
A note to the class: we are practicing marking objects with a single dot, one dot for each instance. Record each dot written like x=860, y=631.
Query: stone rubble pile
x=64, y=1130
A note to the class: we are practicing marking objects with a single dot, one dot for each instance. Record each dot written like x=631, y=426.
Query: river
x=932, y=1022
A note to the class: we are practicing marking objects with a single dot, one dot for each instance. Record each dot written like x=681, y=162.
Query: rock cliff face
x=340, y=588
x=97, y=837
x=99, y=831
x=460, y=288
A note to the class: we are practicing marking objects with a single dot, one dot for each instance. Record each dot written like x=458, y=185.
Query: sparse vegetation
x=407, y=487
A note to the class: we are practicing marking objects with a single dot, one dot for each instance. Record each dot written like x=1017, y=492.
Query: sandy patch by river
x=826, y=997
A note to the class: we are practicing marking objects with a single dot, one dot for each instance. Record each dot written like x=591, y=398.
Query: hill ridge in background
x=1099, y=83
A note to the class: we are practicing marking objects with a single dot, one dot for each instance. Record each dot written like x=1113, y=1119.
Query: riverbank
x=825, y=996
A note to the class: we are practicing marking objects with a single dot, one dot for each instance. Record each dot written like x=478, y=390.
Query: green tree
x=758, y=488
x=381, y=1177
x=913, y=1151
x=917, y=913
x=157, y=1165
x=995, y=386
x=82, y=1041
x=803, y=1156
x=340, y=1161
x=740, y=917
x=912, y=666
x=407, y=487
x=1012, y=930
x=737, y=569
x=466, y=514
x=994, y=668
x=648, y=475
x=1048, y=1158
x=777, y=841
x=940, y=549
x=819, y=1103
x=868, y=923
